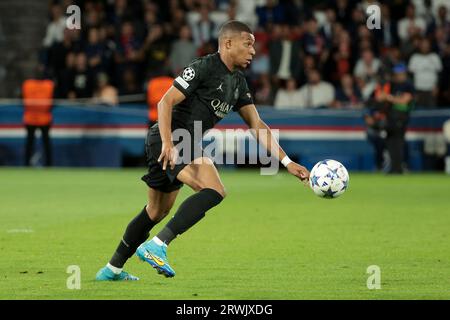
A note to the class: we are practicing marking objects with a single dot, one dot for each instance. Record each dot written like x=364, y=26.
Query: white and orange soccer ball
x=329, y=179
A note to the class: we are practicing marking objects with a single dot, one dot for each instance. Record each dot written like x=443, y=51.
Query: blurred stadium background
x=315, y=77
x=108, y=75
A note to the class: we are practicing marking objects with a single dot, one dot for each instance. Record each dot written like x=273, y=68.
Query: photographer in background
x=375, y=119
x=394, y=99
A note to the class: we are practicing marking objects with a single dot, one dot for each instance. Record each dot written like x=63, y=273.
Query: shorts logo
x=188, y=74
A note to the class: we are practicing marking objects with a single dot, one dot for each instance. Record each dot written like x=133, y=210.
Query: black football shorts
x=157, y=178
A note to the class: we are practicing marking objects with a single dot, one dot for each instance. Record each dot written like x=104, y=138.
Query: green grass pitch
x=271, y=238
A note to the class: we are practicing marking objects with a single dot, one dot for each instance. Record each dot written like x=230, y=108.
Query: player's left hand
x=299, y=171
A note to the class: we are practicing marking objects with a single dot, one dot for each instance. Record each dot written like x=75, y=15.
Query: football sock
x=136, y=233
x=113, y=269
x=191, y=211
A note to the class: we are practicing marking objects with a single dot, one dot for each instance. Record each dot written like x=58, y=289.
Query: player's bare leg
x=137, y=231
x=202, y=176
x=160, y=203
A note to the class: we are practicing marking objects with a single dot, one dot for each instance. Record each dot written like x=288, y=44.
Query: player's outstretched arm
x=264, y=136
x=172, y=97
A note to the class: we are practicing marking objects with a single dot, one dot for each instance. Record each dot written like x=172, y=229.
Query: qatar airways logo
x=221, y=108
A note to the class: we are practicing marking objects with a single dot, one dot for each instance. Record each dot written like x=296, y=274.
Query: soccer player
x=205, y=92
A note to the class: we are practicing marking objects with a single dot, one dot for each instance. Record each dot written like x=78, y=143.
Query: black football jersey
x=211, y=91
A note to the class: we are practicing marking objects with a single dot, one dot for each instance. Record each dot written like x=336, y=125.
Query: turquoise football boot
x=105, y=274
x=156, y=256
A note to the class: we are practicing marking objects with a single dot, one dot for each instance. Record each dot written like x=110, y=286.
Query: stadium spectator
x=106, y=38
x=366, y=40
x=2, y=62
x=81, y=82
x=411, y=25
x=424, y=9
x=127, y=53
x=178, y=20
x=316, y=93
x=327, y=28
x=288, y=96
x=387, y=36
x=307, y=64
x=443, y=45
x=203, y=28
x=150, y=19
x=105, y=94
x=95, y=51
x=340, y=61
x=347, y=95
x=284, y=53
x=128, y=84
x=425, y=66
x=343, y=9
x=441, y=41
x=65, y=77
x=119, y=37
x=442, y=20
x=121, y=11
x=183, y=50
x=269, y=14
x=246, y=12
x=155, y=51
x=366, y=71
x=358, y=18
x=91, y=14
x=314, y=43
x=409, y=48
x=263, y=90
x=55, y=29
x=439, y=3
x=57, y=54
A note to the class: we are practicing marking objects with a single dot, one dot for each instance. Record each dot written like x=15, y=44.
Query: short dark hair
x=234, y=26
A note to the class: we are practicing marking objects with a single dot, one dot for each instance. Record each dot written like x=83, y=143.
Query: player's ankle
x=158, y=241
x=115, y=270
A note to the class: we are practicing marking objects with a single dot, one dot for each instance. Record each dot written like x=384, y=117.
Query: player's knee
x=156, y=213
x=218, y=188
x=221, y=190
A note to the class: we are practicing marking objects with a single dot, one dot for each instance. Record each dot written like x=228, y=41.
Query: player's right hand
x=168, y=155
x=299, y=171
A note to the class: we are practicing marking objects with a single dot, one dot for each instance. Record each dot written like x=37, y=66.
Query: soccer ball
x=329, y=179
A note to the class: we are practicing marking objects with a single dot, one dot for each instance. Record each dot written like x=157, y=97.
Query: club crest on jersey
x=188, y=74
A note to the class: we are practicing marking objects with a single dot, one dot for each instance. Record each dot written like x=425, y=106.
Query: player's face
x=243, y=50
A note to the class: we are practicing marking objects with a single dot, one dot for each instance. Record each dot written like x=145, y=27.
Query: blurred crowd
x=310, y=54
